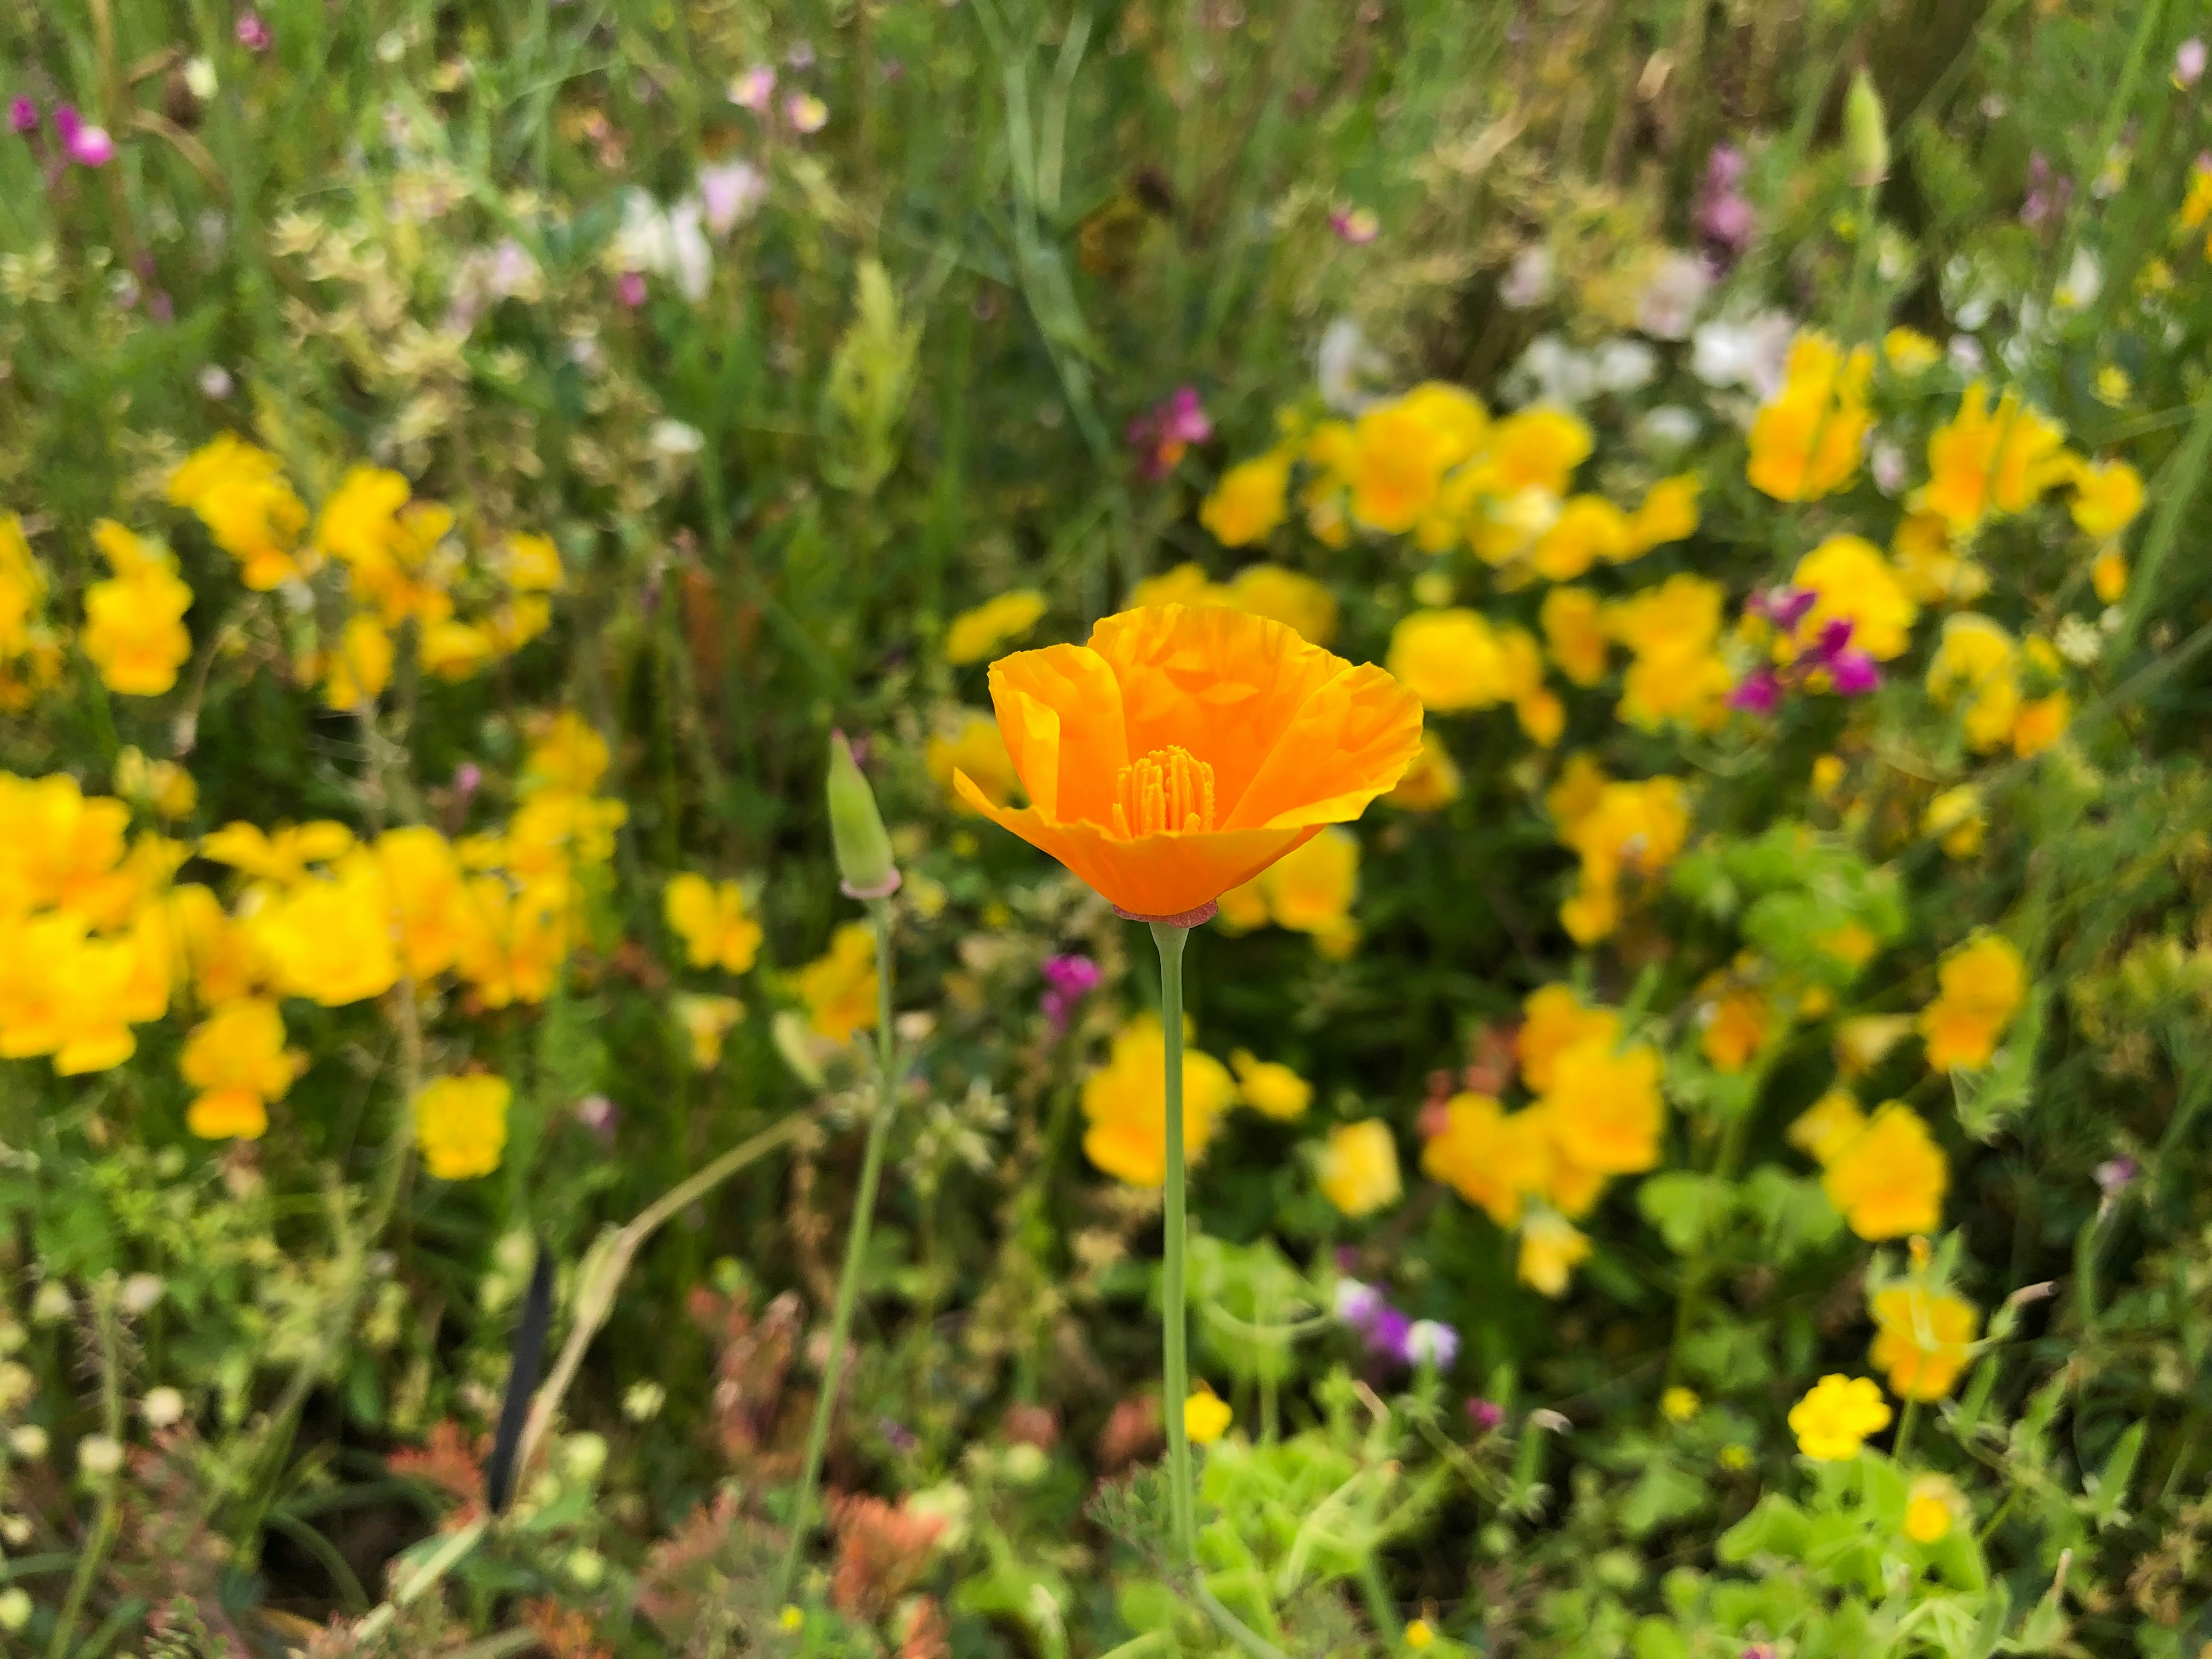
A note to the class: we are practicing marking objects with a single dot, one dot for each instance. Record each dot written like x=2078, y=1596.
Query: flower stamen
x=1168, y=792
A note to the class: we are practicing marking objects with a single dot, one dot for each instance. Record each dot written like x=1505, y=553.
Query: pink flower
x=629, y=288
x=253, y=33
x=88, y=146
x=2189, y=63
x=1356, y=225
x=1724, y=216
x=805, y=112
x=1068, y=979
x=1164, y=433
x=730, y=190
x=754, y=88
x=23, y=115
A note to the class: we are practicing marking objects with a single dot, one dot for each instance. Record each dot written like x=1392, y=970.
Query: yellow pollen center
x=1168, y=790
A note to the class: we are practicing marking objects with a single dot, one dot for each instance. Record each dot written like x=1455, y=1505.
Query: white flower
x=666, y=242
x=1553, y=372
x=1886, y=462
x=1430, y=1342
x=1668, y=305
x=1749, y=352
x=1965, y=354
x=99, y=1454
x=215, y=382
x=2078, y=642
x=1668, y=430
x=1344, y=365
x=675, y=441
x=199, y=79
x=1528, y=281
x=1356, y=1301
x=2083, y=282
x=28, y=1443
x=1624, y=366
x=161, y=1407
x=730, y=191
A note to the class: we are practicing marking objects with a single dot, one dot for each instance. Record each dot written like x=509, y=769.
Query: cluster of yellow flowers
x=134, y=621
x=1309, y=890
x=401, y=565
x=1125, y=1105
x=1618, y=829
x=1885, y=1174
x=1806, y=439
x=30, y=651
x=1978, y=668
x=1595, y=1113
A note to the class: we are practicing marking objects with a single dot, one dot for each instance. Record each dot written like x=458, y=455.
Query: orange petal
x=1352, y=738
x=1060, y=711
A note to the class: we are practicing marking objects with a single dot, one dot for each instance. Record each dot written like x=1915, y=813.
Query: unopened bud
x=1866, y=133
x=864, y=851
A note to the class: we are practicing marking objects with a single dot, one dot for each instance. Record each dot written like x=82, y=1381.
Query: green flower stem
x=1901, y=1447
x=856, y=1250
x=1175, y=1323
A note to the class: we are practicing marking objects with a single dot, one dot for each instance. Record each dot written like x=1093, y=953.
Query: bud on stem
x=856, y=828
x=1866, y=133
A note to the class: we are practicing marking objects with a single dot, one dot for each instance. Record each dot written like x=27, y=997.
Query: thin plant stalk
x=1174, y=1292
x=856, y=1250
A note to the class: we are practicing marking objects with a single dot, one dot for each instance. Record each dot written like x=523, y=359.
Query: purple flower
x=900, y=1438
x=754, y=89
x=2116, y=1175
x=1356, y=1302
x=23, y=115
x=1852, y=673
x=1162, y=433
x=2048, y=196
x=253, y=33
x=1724, y=218
x=629, y=288
x=1387, y=1332
x=1356, y=225
x=1068, y=979
x=1485, y=1414
x=2189, y=63
x=730, y=192
x=1785, y=607
x=600, y=1116
x=86, y=145
x=1758, y=693
x=468, y=778
x=1432, y=1342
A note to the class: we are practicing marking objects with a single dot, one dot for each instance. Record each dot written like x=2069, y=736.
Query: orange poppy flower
x=1185, y=749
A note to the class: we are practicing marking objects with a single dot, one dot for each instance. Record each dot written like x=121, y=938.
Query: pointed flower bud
x=864, y=850
x=1866, y=133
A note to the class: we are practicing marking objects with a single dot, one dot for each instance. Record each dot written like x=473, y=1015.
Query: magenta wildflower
x=1162, y=433
x=1068, y=979
x=2189, y=63
x=1725, y=219
x=629, y=288
x=86, y=145
x=2116, y=1175
x=1356, y=225
x=1484, y=1414
x=23, y=115
x=253, y=32
x=1846, y=669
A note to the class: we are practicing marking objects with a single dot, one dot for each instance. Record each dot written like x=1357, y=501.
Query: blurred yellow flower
x=2107, y=497
x=977, y=633
x=1833, y=1420
x=428, y=902
x=1667, y=513
x=22, y=587
x=1932, y=571
x=1806, y=439
x=1358, y=1168
x=1250, y=502
x=530, y=563
x=1735, y=1023
x=1910, y=353
x=1671, y=630
x=1206, y=1417
x=1980, y=986
x=1983, y=461
x=1186, y=584
x=1976, y=660
x=1575, y=631
x=1888, y=1180
x=1589, y=528
x=454, y=650
x=1679, y=1404
x=705, y=1020
x=2041, y=722
x=1552, y=1247
x=1955, y=817
x=1862, y=1040
x=1855, y=584
x=1631, y=828
x=1490, y=1157
x=1922, y=1339
x=331, y=938
x=566, y=755
x=1553, y=1018
x=710, y=918
x=1538, y=449
x=460, y=1124
x=1602, y=1105
x=1448, y=658
x=1269, y=1087
x=1397, y=457
x=840, y=987
x=1310, y=889
x=1297, y=602
x=1125, y=1102
x=1831, y=1124
x=2108, y=575
x=359, y=670
x=240, y=493
x=237, y=1060
x=134, y=630
x=1432, y=780
x=1932, y=1505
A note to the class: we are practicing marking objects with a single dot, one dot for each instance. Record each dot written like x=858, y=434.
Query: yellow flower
x=428, y=902
x=1910, y=352
x=460, y=1124
x=1206, y=1417
x=1269, y=1087
x=1297, y=602
x=1805, y=441
x=1831, y=1124
x=1956, y=816
x=1922, y=1340
x=237, y=1060
x=710, y=918
x=1860, y=1042
x=1449, y=659
x=239, y=492
x=566, y=755
x=1490, y=1157
x=977, y=633
x=1932, y=571
x=2108, y=575
x=1679, y=1404
x=1125, y=1102
x=1889, y=1180
x=840, y=987
x=1668, y=513
x=1359, y=1167
x=281, y=857
x=1983, y=461
x=1186, y=584
x=1552, y=1247
x=513, y=939
x=134, y=630
x=1420, y=1634
x=1249, y=502
x=1553, y=1020
x=1602, y=1106
x=1980, y=986
x=1575, y=632
x=1672, y=630
x=1736, y=1023
x=454, y=650
x=1431, y=781
x=1589, y=528
x=2040, y=723
x=705, y=1020
x=1856, y=585
x=1310, y=889
x=1976, y=660
x=530, y=563
x=23, y=588
x=1537, y=449
x=360, y=522
x=163, y=785
x=1393, y=464
x=1833, y=1420
x=1932, y=1504
x=1629, y=828
x=360, y=669
x=331, y=938
x=2107, y=496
